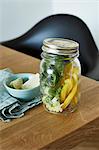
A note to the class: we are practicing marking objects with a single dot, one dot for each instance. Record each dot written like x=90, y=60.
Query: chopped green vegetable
x=51, y=71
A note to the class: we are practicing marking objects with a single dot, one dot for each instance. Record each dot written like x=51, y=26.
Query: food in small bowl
x=24, y=86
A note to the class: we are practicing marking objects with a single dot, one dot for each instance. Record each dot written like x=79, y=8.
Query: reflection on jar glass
x=59, y=75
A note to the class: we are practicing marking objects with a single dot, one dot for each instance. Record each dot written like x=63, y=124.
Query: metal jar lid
x=61, y=46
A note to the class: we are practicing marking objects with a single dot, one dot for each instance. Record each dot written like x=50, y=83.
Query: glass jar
x=59, y=75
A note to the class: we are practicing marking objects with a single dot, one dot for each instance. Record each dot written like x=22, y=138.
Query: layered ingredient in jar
x=60, y=84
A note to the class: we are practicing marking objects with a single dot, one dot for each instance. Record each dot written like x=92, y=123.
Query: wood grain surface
x=39, y=129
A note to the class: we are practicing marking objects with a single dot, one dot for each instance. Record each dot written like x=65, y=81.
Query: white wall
x=87, y=10
x=18, y=16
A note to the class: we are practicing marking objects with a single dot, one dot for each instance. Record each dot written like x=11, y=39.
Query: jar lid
x=60, y=46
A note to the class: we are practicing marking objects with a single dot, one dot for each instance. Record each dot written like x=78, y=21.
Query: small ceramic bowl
x=22, y=94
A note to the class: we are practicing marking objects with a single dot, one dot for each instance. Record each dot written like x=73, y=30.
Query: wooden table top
x=39, y=129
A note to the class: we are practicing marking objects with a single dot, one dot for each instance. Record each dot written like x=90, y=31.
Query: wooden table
x=39, y=129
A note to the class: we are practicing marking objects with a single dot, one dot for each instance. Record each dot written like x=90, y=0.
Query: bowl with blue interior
x=23, y=86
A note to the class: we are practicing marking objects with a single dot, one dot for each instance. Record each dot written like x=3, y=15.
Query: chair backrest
x=62, y=26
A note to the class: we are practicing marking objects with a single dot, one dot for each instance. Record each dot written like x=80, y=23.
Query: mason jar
x=60, y=72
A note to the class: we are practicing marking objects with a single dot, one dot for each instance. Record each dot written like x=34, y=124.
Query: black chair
x=63, y=26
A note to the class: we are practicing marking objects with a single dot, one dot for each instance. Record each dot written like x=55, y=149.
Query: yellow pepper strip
x=75, y=77
x=72, y=93
x=62, y=80
x=76, y=98
x=64, y=92
x=70, y=86
x=68, y=69
x=69, y=97
x=66, y=89
x=76, y=70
